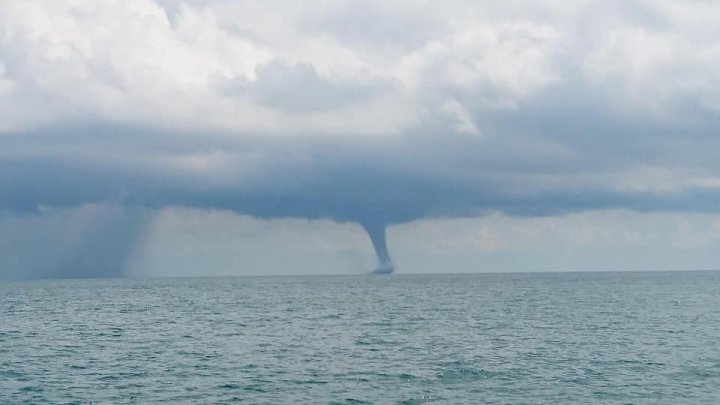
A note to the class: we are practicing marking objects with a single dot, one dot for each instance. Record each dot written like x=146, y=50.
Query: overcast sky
x=163, y=137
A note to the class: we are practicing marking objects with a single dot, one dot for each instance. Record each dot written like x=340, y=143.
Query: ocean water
x=564, y=338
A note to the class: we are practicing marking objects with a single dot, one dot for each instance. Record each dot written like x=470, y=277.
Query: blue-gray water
x=641, y=338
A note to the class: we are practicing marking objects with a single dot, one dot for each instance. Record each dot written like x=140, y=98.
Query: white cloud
x=140, y=62
x=463, y=122
x=6, y=85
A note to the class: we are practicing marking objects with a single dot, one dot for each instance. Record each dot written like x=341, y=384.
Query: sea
x=531, y=338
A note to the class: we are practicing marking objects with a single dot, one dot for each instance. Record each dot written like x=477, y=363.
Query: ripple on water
x=577, y=338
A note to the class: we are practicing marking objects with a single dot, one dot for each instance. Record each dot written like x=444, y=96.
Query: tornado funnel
x=376, y=232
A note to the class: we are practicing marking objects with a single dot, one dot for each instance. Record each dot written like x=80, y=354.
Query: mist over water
x=563, y=338
x=88, y=241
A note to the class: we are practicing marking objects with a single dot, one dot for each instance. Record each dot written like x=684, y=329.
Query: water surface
x=641, y=338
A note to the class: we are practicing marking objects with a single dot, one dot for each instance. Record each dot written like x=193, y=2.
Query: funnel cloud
x=376, y=233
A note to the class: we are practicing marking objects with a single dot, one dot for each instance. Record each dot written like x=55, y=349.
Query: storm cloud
x=370, y=113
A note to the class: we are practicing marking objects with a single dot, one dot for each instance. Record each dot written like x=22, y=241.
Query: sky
x=191, y=138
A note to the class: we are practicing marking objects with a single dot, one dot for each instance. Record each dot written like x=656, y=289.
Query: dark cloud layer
x=375, y=182
x=386, y=180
